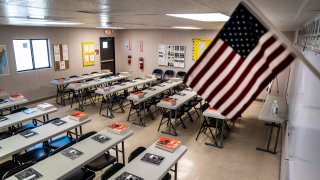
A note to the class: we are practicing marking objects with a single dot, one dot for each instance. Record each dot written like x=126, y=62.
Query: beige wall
x=151, y=40
x=35, y=84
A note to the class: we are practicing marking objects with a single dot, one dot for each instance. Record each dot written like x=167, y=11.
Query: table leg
x=76, y=131
x=216, y=144
x=109, y=111
x=176, y=171
x=123, y=155
x=271, y=126
x=117, y=153
x=168, y=131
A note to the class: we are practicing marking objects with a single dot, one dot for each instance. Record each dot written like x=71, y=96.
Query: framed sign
x=199, y=45
x=61, y=57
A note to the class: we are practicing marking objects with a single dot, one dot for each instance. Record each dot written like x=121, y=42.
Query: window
x=31, y=54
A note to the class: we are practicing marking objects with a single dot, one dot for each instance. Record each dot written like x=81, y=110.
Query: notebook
x=101, y=138
x=152, y=158
x=28, y=174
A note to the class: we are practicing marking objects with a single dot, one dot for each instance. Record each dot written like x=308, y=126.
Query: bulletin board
x=88, y=54
x=61, y=57
x=199, y=46
x=171, y=55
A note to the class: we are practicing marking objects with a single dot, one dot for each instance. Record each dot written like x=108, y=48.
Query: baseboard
x=259, y=100
x=39, y=100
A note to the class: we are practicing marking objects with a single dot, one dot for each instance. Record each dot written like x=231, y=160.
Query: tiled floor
x=238, y=159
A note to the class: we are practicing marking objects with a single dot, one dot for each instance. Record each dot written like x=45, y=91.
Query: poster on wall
x=171, y=55
x=61, y=56
x=4, y=70
x=199, y=46
x=88, y=54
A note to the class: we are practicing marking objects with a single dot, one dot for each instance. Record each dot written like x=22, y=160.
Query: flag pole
x=265, y=21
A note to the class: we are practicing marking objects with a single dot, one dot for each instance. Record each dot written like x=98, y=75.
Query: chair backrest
x=204, y=107
x=158, y=73
x=49, y=121
x=94, y=72
x=73, y=76
x=84, y=136
x=168, y=73
x=85, y=74
x=180, y=74
x=136, y=153
x=16, y=170
x=18, y=110
x=111, y=171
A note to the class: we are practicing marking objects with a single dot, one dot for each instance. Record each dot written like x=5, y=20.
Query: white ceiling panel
x=149, y=14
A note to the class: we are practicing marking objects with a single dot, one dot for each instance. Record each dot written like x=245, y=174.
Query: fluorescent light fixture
x=105, y=27
x=36, y=17
x=41, y=22
x=207, y=17
x=185, y=27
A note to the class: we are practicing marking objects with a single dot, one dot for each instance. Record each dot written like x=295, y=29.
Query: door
x=107, y=54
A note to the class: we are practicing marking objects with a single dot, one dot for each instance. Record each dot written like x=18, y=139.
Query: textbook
x=150, y=76
x=168, y=144
x=28, y=111
x=137, y=95
x=168, y=101
x=117, y=128
x=45, y=106
x=16, y=97
x=78, y=116
x=152, y=158
x=128, y=176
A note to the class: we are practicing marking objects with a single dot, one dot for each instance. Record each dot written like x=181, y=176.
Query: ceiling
x=149, y=14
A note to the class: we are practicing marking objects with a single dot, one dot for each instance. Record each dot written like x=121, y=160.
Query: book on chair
x=16, y=97
x=78, y=116
x=117, y=128
x=168, y=144
x=168, y=101
x=137, y=95
x=45, y=106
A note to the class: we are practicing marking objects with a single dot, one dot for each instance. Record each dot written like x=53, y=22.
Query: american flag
x=243, y=58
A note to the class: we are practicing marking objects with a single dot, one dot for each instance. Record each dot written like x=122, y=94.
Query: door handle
x=109, y=60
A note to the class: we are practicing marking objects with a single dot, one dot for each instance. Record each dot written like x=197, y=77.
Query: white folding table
x=148, y=94
x=120, y=87
x=274, y=120
x=59, y=166
x=181, y=98
x=20, y=117
x=149, y=171
x=7, y=103
x=84, y=87
x=18, y=143
x=61, y=85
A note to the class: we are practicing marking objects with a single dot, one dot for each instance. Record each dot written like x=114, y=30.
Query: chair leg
x=190, y=117
x=150, y=113
x=184, y=126
x=196, y=110
x=101, y=106
x=201, y=128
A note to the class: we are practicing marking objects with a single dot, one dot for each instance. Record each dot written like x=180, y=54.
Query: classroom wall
x=35, y=84
x=302, y=143
x=151, y=40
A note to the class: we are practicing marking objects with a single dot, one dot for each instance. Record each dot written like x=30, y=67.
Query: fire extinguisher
x=141, y=63
x=129, y=59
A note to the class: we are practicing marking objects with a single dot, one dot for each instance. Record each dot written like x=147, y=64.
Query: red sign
x=108, y=31
x=141, y=46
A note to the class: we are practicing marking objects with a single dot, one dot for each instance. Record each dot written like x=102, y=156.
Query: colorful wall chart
x=171, y=55
x=88, y=54
x=199, y=45
x=309, y=35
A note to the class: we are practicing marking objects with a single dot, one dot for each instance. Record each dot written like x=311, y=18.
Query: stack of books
x=45, y=106
x=74, y=85
x=137, y=95
x=168, y=101
x=106, y=88
x=59, y=80
x=118, y=128
x=16, y=97
x=168, y=144
x=78, y=116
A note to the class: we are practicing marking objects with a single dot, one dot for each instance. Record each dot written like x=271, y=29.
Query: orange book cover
x=78, y=115
x=117, y=128
x=168, y=143
x=169, y=99
x=16, y=96
x=137, y=93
